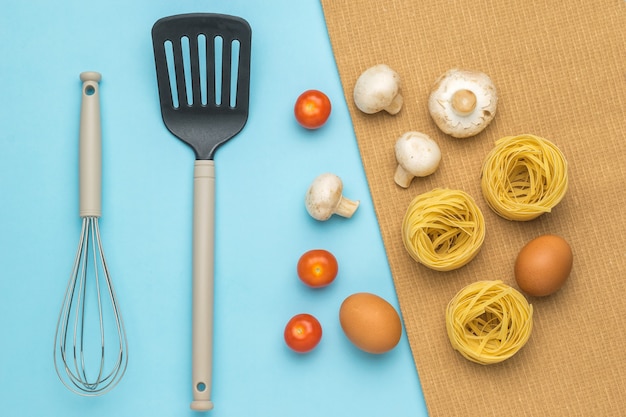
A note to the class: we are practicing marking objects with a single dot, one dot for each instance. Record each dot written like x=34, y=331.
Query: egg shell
x=370, y=322
x=543, y=265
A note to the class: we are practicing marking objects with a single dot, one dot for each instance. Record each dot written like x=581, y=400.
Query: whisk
x=84, y=362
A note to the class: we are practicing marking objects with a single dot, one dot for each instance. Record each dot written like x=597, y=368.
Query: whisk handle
x=90, y=147
x=203, y=273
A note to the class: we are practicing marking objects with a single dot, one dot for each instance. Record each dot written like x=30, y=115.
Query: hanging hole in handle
x=90, y=90
x=201, y=387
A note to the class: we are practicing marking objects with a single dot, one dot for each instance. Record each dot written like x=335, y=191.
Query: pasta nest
x=488, y=322
x=523, y=177
x=443, y=229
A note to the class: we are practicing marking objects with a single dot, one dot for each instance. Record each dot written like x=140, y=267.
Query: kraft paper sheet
x=560, y=69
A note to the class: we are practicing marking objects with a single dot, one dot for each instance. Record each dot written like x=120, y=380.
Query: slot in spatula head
x=203, y=76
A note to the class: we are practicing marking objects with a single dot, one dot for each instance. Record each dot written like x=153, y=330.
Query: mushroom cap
x=463, y=102
x=417, y=153
x=323, y=196
x=378, y=88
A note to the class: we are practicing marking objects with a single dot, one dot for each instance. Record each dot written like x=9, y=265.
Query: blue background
x=262, y=225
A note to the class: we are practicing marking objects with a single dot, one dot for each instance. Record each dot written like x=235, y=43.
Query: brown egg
x=370, y=322
x=543, y=265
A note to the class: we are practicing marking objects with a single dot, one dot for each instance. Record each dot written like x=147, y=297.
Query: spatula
x=203, y=76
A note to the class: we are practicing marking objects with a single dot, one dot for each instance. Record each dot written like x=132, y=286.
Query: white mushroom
x=462, y=102
x=378, y=88
x=324, y=198
x=417, y=155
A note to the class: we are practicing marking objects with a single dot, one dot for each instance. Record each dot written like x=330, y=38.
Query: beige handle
x=203, y=270
x=90, y=147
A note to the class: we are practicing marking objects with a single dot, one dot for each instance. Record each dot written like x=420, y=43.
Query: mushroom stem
x=346, y=207
x=396, y=105
x=403, y=177
x=463, y=102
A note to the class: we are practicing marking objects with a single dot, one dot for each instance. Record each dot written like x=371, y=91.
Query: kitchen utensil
x=203, y=76
x=83, y=357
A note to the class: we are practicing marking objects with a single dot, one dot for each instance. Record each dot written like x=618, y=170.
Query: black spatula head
x=203, y=75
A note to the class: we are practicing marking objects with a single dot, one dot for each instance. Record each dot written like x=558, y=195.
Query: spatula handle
x=203, y=272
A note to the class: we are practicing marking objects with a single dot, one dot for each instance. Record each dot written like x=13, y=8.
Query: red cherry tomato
x=303, y=332
x=317, y=268
x=312, y=109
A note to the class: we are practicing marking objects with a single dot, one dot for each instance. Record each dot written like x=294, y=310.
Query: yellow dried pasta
x=443, y=229
x=488, y=322
x=523, y=177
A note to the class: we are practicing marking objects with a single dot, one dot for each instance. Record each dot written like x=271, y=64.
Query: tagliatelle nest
x=443, y=229
x=523, y=177
x=488, y=322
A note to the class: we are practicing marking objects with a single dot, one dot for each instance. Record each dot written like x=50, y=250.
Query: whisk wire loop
x=73, y=358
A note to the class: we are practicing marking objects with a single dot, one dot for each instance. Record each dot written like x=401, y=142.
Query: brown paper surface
x=560, y=69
